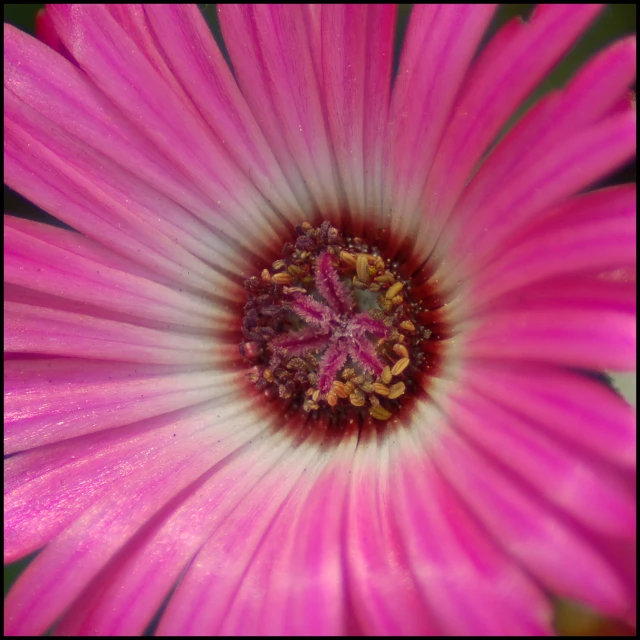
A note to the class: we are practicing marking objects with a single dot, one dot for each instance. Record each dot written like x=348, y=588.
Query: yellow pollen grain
x=400, y=366
x=393, y=290
x=407, y=325
x=332, y=399
x=397, y=300
x=380, y=388
x=356, y=398
x=348, y=258
x=315, y=395
x=362, y=267
x=295, y=271
x=401, y=350
x=289, y=290
x=386, y=375
x=282, y=278
x=396, y=390
x=379, y=413
x=278, y=264
x=379, y=263
x=266, y=276
x=339, y=389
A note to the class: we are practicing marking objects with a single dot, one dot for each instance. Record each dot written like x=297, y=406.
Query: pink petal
x=439, y=45
x=587, y=99
x=195, y=61
x=37, y=329
x=583, y=324
x=552, y=175
x=148, y=470
x=225, y=587
x=51, y=400
x=570, y=406
x=300, y=562
x=577, y=483
x=590, y=233
x=33, y=259
x=356, y=51
x=46, y=32
x=384, y=594
x=131, y=588
x=529, y=530
x=463, y=575
x=49, y=104
x=125, y=74
x=274, y=66
x=516, y=59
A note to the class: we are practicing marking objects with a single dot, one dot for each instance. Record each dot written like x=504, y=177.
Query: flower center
x=333, y=327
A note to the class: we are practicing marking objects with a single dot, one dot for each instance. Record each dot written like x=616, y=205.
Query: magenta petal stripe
x=573, y=164
x=74, y=334
x=195, y=61
x=193, y=147
x=561, y=475
x=98, y=126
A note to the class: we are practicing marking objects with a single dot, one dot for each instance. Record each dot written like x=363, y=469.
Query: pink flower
x=318, y=359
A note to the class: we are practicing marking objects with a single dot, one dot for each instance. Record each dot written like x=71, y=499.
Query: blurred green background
x=616, y=21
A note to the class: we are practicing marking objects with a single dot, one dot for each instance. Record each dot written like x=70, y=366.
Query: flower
x=317, y=357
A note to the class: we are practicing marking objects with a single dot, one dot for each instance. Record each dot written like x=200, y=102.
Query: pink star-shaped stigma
x=332, y=324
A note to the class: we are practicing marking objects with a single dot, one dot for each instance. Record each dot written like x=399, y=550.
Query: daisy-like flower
x=318, y=355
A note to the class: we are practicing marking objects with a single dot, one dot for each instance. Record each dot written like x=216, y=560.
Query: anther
x=362, y=268
x=400, y=366
x=401, y=350
x=396, y=390
x=379, y=413
x=393, y=290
